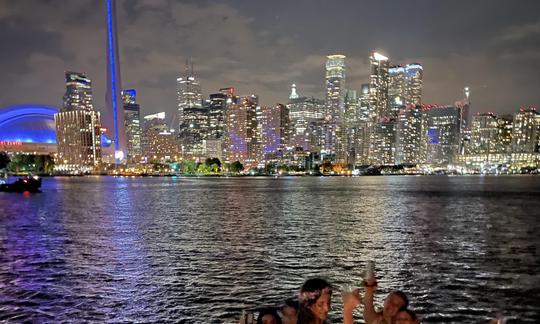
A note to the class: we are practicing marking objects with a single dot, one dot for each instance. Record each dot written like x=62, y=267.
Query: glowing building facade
x=411, y=140
x=188, y=95
x=274, y=126
x=78, y=128
x=28, y=129
x=241, y=130
x=132, y=125
x=302, y=111
x=378, y=86
x=443, y=134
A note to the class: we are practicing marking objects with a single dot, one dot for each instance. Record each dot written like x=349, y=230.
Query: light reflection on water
x=201, y=250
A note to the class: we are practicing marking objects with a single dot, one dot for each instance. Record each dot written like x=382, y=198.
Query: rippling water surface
x=200, y=250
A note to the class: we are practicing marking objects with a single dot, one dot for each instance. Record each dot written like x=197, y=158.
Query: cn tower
x=114, y=116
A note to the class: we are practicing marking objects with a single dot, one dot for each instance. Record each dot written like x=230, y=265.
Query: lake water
x=200, y=250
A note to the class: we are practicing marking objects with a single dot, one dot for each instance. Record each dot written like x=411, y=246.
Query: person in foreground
x=315, y=301
x=289, y=311
x=268, y=316
x=395, y=301
x=405, y=316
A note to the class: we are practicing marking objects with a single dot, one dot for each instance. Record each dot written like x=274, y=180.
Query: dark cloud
x=263, y=46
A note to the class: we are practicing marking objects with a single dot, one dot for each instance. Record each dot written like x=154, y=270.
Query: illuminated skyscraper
x=159, y=143
x=484, y=130
x=188, y=94
x=363, y=102
x=443, y=134
x=382, y=145
x=274, y=125
x=378, y=86
x=302, y=111
x=335, y=105
x=78, y=127
x=132, y=120
x=193, y=132
x=78, y=92
x=526, y=131
x=411, y=134
x=241, y=130
x=114, y=122
x=405, y=86
x=335, y=85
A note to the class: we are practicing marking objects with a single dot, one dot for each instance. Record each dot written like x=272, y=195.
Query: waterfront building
x=303, y=110
x=114, y=117
x=241, y=130
x=132, y=125
x=212, y=148
x=274, y=125
x=78, y=94
x=188, y=94
x=162, y=146
x=352, y=107
x=484, y=131
x=526, y=131
x=382, y=142
x=378, y=86
x=335, y=105
x=155, y=122
x=363, y=102
x=404, y=87
x=335, y=85
x=320, y=137
x=28, y=129
x=359, y=136
x=504, y=133
x=443, y=134
x=193, y=131
x=216, y=114
x=411, y=135
x=526, y=139
x=78, y=127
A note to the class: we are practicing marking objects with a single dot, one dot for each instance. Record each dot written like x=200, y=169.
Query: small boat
x=29, y=183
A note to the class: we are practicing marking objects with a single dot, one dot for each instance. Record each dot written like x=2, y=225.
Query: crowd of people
x=315, y=300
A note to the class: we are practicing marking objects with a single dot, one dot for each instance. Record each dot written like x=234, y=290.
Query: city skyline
x=254, y=59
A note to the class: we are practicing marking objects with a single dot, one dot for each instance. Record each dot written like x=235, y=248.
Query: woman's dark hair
x=293, y=303
x=268, y=311
x=401, y=295
x=412, y=314
x=310, y=292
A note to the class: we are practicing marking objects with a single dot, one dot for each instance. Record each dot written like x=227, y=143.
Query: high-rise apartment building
x=382, y=145
x=378, y=86
x=443, y=134
x=335, y=105
x=405, y=86
x=411, y=135
x=154, y=122
x=335, y=86
x=526, y=131
x=302, y=111
x=132, y=125
x=363, y=102
x=78, y=92
x=188, y=94
x=78, y=127
x=484, y=133
x=193, y=132
x=241, y=130
x=274, y=125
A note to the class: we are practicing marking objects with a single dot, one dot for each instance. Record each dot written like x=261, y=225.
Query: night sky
x=262, y=47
